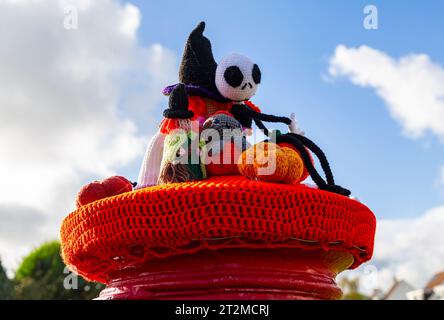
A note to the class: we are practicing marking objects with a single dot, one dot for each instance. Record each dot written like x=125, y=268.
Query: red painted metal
x=236, y=274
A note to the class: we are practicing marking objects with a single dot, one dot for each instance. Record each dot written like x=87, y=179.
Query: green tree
x=41, y=276
x=350, y=287
x=6, y=284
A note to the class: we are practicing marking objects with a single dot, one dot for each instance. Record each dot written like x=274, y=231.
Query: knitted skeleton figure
x=237, y=77
x=209, y=88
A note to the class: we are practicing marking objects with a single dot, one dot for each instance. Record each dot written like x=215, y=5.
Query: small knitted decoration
x=181, y=158
x=237, y=77
x=222, y=122
x=225, y=165
x=295, y=166
x=223, y=142
x=198, y=65
x=167, y=125
x=181, y=153
x=150, y=169
x=215, y=86
x=305, y=173
x=300, y=142
x=102, y=189
x=269, y=162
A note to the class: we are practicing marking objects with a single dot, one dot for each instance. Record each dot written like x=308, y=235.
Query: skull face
x=237, y=77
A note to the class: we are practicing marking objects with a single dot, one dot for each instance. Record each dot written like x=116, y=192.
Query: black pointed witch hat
x=198, y=67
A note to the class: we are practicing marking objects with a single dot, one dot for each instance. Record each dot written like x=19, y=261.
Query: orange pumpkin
x=269, y=162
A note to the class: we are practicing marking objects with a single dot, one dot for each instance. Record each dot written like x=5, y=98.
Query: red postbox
x=221, y=238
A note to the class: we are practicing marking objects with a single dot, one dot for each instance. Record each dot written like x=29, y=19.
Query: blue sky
x=292, y=42
x=79, y=104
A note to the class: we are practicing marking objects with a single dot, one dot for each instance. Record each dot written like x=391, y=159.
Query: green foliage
x=41, y=261
x=43, y=276
x=350, y=287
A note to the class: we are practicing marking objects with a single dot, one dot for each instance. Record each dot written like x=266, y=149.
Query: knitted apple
x=223, y=167
x=103, y=189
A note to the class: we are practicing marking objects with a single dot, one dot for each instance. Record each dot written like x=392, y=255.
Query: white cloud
x=408, y=249
x=412, y=248
x=67, y=106
x=19, y=227
x=411, y=86
x=20, y=224
x=130, y=20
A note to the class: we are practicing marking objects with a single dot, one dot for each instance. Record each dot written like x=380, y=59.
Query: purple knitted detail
x=194, y=90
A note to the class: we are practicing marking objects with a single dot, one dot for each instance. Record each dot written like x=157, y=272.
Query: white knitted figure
x=237, y=77
x=150, y=169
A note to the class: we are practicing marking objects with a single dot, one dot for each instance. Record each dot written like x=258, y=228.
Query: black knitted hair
x=301, y=144
x=198, y=66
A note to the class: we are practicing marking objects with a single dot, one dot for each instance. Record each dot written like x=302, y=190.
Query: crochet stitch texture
x=221, y=212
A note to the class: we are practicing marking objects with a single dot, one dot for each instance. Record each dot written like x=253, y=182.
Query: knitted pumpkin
x=269, y=162
x=305, y=173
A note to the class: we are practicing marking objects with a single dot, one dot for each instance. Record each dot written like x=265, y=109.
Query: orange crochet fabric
x=220, y=212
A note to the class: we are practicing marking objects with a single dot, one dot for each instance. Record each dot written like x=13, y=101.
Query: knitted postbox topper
x=203, y=186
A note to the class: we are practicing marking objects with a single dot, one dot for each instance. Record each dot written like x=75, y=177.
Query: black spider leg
x=300, y=142
x=258, y=115
x=320, y=154
x=305, y=157
x=261, y=126
x=293, y=140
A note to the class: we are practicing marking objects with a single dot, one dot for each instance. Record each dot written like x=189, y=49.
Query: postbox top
x=132, y=228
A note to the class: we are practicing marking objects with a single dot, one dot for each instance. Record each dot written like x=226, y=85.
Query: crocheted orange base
x=220, y=212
